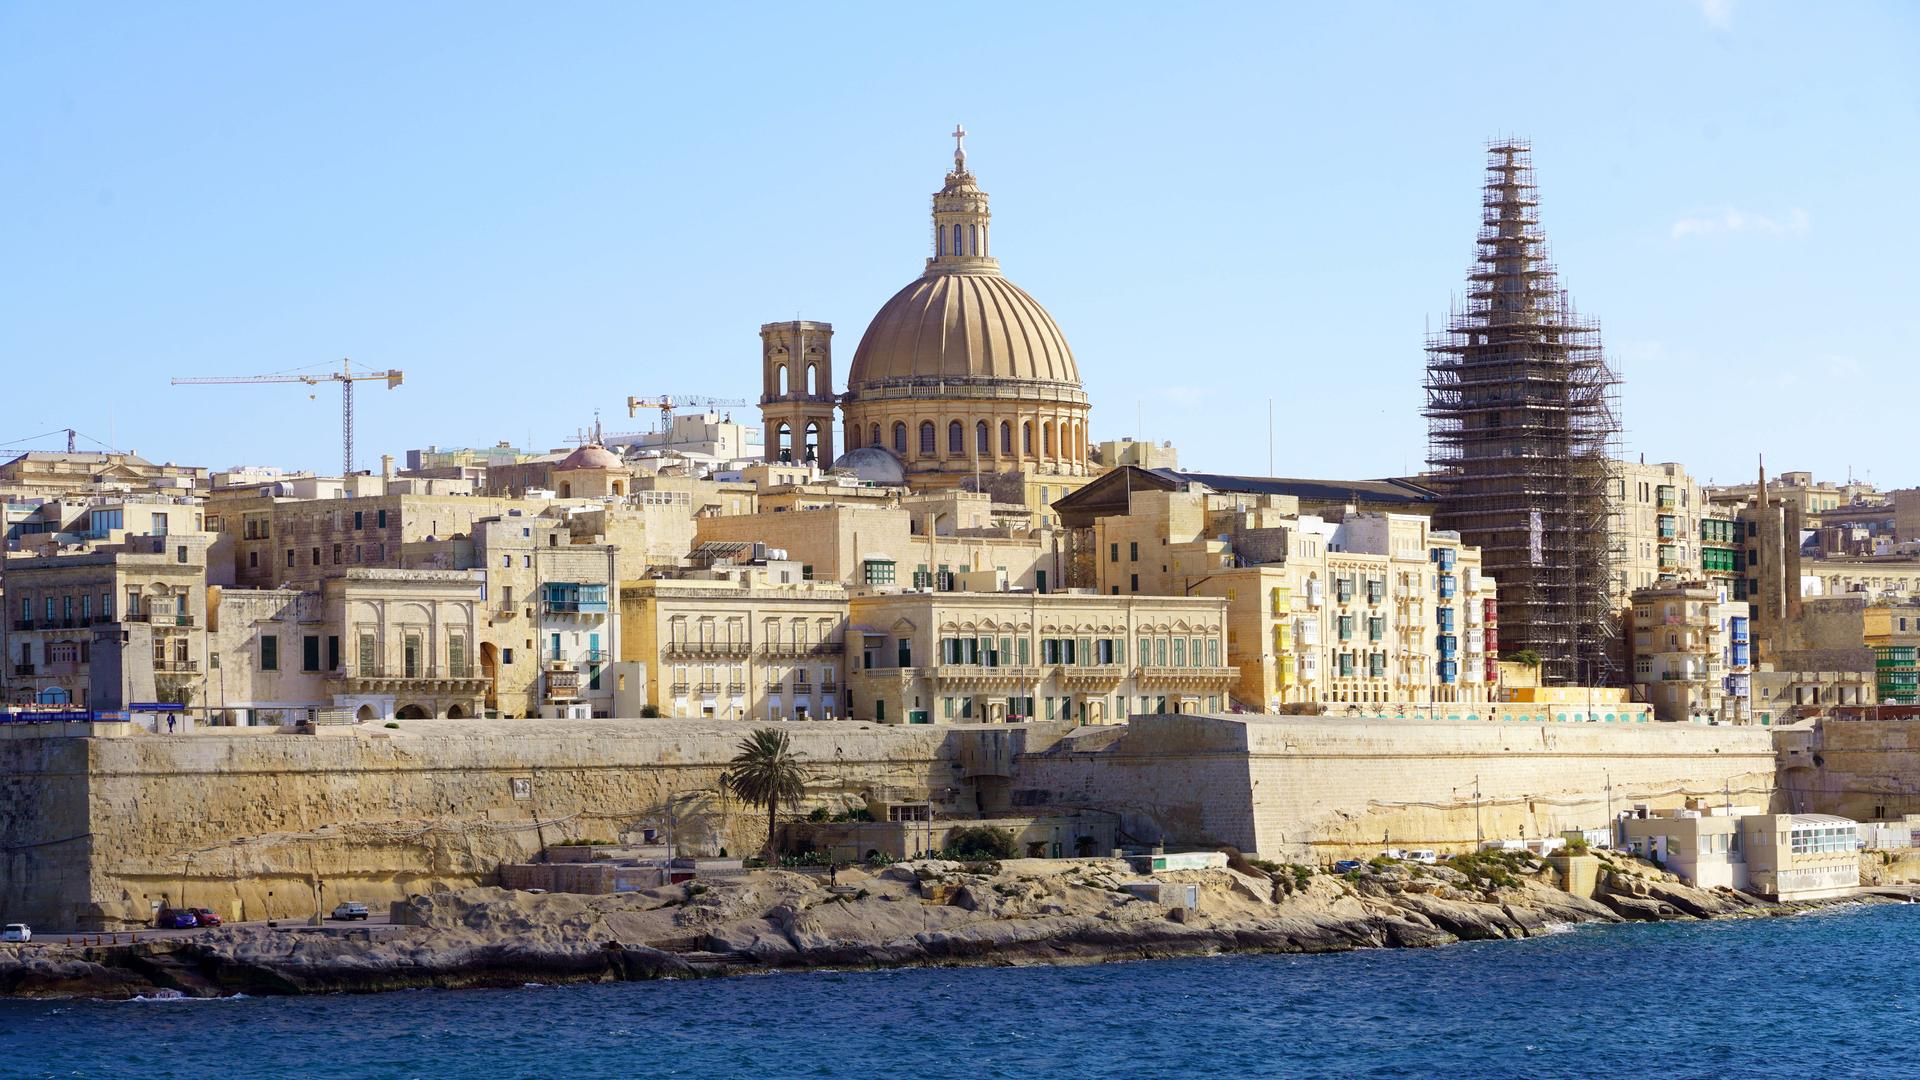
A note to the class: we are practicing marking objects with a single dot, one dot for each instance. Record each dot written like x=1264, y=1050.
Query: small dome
x=591, y=456
x=872, y=465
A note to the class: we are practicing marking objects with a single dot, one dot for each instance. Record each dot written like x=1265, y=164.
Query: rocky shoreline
x=911, y=914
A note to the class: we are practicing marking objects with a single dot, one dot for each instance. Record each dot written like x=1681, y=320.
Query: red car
x=205, y=917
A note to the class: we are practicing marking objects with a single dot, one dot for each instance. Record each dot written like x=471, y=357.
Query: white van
x=17, y=932
x=1423, y=855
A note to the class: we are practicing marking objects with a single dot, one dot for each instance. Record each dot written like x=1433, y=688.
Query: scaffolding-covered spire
x=1523, y=433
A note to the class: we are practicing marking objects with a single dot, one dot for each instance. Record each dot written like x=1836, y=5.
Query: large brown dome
x=954, y=327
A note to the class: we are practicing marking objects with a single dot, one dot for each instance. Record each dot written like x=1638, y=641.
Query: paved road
x=378, y=918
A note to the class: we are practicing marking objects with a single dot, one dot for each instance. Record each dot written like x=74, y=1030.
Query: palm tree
x=767, y=770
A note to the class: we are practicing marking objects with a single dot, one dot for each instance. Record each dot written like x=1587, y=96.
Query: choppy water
x=1836, y=994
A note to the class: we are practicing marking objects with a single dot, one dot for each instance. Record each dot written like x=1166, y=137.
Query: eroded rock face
x=1026, y=911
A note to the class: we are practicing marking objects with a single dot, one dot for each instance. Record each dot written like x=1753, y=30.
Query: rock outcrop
x=1019, y=912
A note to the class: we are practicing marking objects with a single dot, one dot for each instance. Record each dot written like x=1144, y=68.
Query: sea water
x=1831, y=994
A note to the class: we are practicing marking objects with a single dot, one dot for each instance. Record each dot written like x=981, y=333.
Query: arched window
x=1046, y=440
x=926, y=438
x=1006, y=438
x=1026, y=438
x=813, y=440
x=956, y=438
x=779, y=380
x=940, y=239
x=900, y=438
x=980, y=444
x=853, y=436
x=973, y=239
x=956, y=239
x=874, y=440
x=783, y=442
x=813, y=379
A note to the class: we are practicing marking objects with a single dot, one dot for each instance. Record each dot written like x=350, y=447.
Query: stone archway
x=412, y=712
x=490, y=670
x=366, y=714
x=456, y=712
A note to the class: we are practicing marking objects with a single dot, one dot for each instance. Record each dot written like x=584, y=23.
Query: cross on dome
x=959, y=148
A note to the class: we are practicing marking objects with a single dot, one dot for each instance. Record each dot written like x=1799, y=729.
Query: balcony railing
x=416, y=672
x=23, y=669
x=707, y=648
x=160, y=618
x=176, y=667
x=792, y=650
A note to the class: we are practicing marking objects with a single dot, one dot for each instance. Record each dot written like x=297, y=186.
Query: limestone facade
x=270, y=655
x=410, y=643
x=753, y=641
x=923, y=538
x=1002, y=657
x=551, y=630
x=1692, y=653
x=57, y=603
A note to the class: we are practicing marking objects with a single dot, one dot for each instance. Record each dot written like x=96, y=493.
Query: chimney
x=386, y=466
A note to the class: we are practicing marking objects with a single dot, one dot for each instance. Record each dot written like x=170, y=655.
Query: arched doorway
x=455, y=712
x=412, y=712
x=366, y=714
x=490, y=670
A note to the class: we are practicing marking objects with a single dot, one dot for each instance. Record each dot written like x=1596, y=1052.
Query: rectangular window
x=359, y=519
x=1133, y=582
x=903, y=653
x=333, y=652
x=1026, y=651
x=1133, y=551
x=369, y=658
x=289, y=556
x=457, y=658
x=310, y=652
x=1113, y=552
x=382, y=519
x=412, y=656
x=269, y=652
x=879, y=572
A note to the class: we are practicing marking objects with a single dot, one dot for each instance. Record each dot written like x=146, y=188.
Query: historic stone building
x=961, y=380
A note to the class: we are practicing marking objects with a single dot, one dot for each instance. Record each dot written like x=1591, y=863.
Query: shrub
x=1302, y=875
x=391, y=724
x=819, y=814
x=980, y=842
x=1576, y=845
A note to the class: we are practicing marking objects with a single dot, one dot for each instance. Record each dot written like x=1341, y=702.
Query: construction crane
x=666, y=405
x=346, y=377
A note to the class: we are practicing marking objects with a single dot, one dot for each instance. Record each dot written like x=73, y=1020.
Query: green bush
x=977, y=842
x=391, y=724
x=1576, y=845
x=819, y=814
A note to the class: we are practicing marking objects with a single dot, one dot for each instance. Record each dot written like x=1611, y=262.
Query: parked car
x=1347, y=866
x=352, y=909
x=17, y=932
x=205, y=917
x=1423, y=855
x=176, y=919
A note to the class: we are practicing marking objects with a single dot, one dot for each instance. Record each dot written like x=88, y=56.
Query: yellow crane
x=666, y=405
x=346, y=377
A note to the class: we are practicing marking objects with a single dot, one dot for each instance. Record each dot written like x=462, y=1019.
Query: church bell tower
x=797, y=401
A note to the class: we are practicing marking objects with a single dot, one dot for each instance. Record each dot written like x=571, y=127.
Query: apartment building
x=57, y=603
x=1692, y=653
x=994, y=656
x=409, y=640
x=747, y=640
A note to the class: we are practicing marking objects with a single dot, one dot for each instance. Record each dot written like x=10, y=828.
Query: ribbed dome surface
x=961, y=326
x=591, y=456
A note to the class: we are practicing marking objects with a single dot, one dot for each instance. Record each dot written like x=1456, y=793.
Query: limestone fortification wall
x=286, y=823
x=97, y=830
x=1317, y=787
x=1862, y=769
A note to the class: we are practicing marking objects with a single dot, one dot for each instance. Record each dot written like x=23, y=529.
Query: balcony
x=426, y=678
x=802, y=688
x=1199, y=678
x=175, y=667
x=159, y=618
x=980, y=675
x=563, y=684
x=573, y=607
x=1093, y=676
x=23, y=670
x=797, y=650
x=23, y=624
x=707, y=649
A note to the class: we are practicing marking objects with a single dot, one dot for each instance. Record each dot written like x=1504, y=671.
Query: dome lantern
x=960, y=219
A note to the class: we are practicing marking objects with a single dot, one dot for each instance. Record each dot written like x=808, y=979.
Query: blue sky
x=536, y=210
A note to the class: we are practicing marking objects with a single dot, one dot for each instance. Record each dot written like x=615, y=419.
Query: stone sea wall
x=98, y=831
x=1316, y=787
